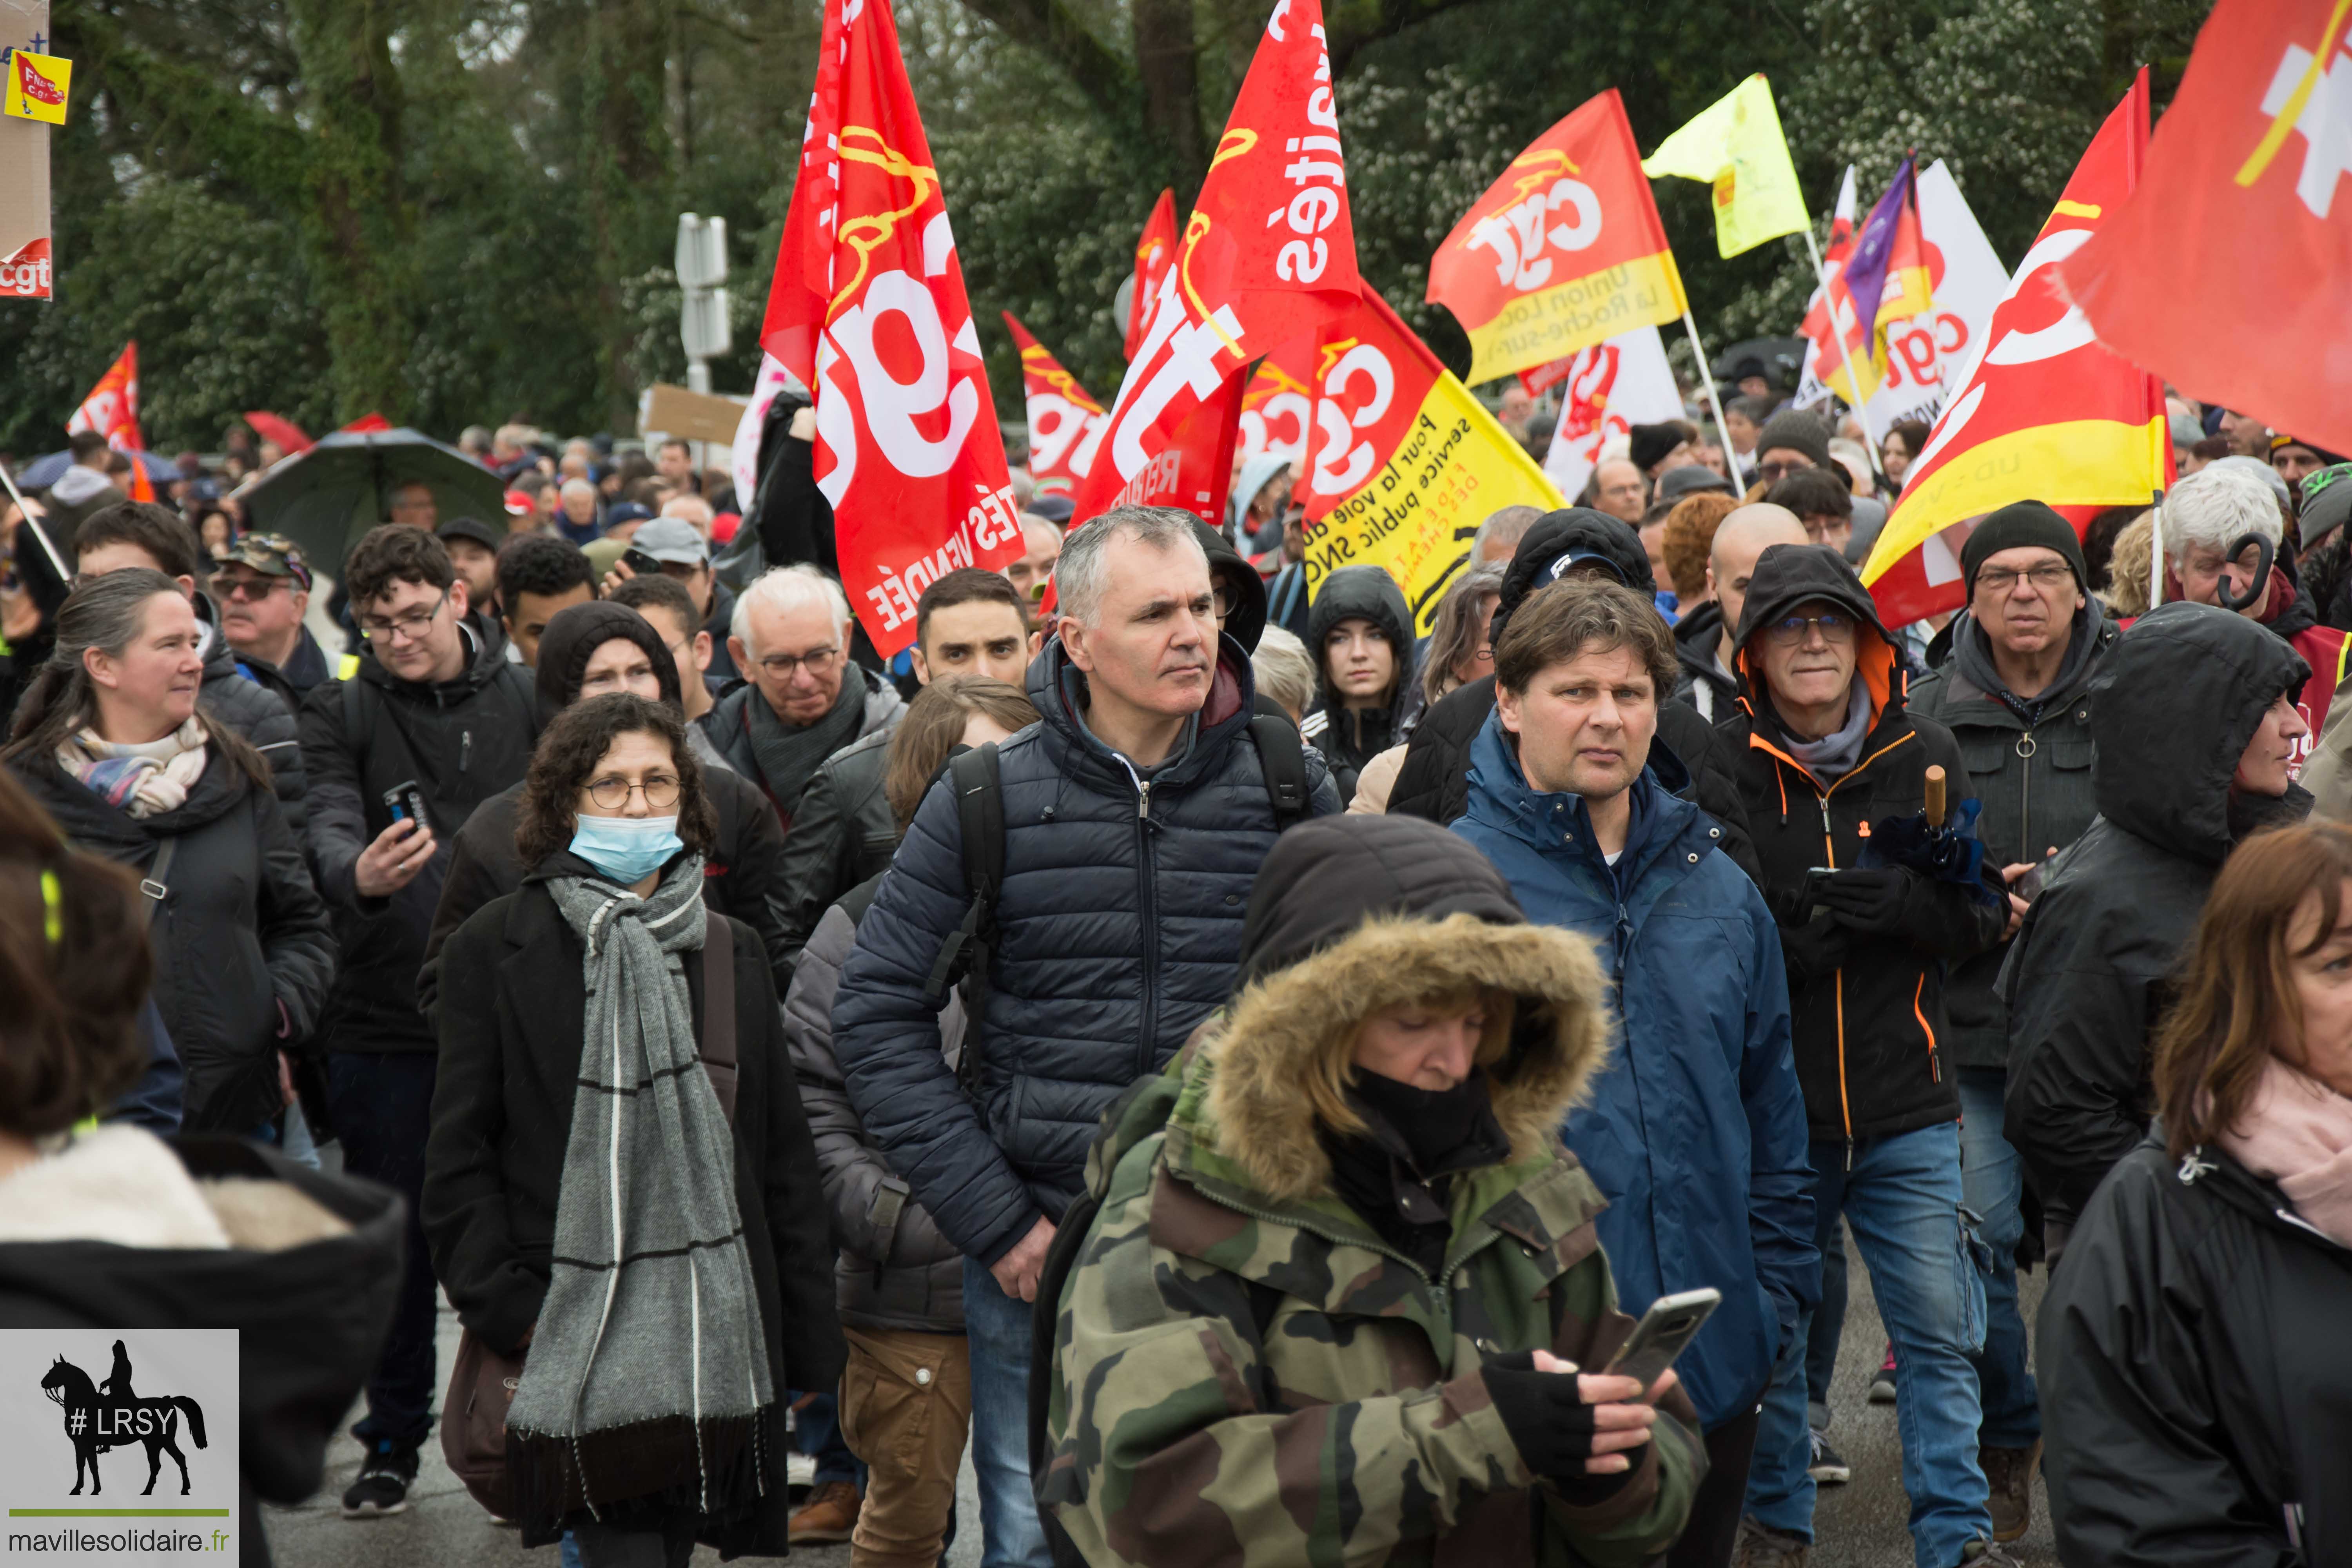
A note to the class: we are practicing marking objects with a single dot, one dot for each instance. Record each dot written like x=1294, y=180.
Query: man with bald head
x=1619, y=489
x=1703, y=638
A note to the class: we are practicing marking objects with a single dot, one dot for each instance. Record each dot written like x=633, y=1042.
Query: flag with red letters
x=868, y=309
x=1268, y=254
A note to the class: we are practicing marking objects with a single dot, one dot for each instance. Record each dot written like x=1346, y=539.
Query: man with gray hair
x=1498, y=537
x=804, y=698
x=1128, y=827
x=2213, y=525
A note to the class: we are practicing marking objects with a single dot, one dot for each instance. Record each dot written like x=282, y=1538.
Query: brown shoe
x=2009, y=1477
x=830, y=1514
x=1759, y=1547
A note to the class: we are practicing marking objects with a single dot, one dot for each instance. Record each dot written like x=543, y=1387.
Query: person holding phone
x=1695, y=1132
x=1341, y=1296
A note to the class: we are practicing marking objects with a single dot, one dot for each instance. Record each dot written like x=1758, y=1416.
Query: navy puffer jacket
x=1118, y=929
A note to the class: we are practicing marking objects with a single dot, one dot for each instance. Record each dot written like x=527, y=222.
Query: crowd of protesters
x=1231, y=1061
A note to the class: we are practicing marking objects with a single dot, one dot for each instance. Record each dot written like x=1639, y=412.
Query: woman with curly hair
x=604, y=1196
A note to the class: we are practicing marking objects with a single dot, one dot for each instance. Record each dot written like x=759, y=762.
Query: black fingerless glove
x=1553, y=1427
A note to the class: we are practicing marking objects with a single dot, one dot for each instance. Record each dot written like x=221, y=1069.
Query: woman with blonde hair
x=2196, y=1376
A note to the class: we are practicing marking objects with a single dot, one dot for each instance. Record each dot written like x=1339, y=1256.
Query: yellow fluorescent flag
x=37, y=86
x=1736, y=145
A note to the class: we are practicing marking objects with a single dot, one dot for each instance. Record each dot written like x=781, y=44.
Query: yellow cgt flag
x=1736, y=145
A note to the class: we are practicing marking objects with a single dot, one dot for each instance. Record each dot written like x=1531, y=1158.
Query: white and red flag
x=1065, y=424
x=1155, y=252
x=868, y=309
x=1268, y=254
x=111, y=408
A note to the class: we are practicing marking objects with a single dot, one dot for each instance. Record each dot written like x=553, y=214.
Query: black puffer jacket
x=895, y=1270
x=2034, y=781
x=1117, y=929
x=1435, y=782
x=2196, y=1377
x=842, y=834
x=2171, y=710
x=1351, y=737
x=243, y=954
x=252, y=698
x=462, y=742
x=1866, y=1009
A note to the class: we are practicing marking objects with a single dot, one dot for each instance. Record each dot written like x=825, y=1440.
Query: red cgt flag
x=2242, y=183
x=111, y=408
x=868, y=309
x=1153, y=255
x=2047, y=413
x=1268, y=254
x=1065, y=424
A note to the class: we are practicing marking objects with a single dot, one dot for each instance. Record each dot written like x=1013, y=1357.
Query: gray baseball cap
x=672, y=539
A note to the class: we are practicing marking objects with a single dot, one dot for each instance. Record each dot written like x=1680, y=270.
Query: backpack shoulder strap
x=977, y=780
x=1282, y=756
x=719, y=1053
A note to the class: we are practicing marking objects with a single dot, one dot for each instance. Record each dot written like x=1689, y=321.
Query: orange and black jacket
x=1867, y=1007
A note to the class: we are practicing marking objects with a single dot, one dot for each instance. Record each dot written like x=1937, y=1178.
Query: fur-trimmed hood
x=1283, y=1026
x=1352, y=914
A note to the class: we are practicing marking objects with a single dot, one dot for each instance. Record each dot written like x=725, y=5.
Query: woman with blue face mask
x=603, y=1197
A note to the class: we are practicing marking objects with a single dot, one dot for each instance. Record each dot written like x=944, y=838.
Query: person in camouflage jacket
x=1284, y=1343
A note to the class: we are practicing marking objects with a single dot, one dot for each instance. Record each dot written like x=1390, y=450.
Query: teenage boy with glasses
x=436, y=715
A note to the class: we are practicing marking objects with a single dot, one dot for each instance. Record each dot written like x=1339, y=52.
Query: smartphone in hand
x=1670, y=1325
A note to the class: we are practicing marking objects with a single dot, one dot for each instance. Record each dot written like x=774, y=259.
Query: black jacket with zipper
x=2171, y=710
x=2196, y=1378
x=460, y=741
x=1699, y=680
x=2034, y=782
x=843, y=832
x=1867, y=1007
x=241, y=933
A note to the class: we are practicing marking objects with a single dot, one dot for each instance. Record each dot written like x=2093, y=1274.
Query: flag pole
x=24, y=519
x=1853, y=384
x=2156, y=550
x=1706, y=376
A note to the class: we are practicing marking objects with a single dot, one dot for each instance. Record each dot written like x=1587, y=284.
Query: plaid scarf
x=143, y=779
x=647, y=1375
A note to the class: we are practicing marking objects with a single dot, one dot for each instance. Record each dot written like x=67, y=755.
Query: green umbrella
x=325, y=499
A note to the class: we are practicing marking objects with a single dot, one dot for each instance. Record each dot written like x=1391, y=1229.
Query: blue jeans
x=1826, y=1331
x=1901, y=1197
x=998, y=1325
x=1991, y=1176
x=382, y=1103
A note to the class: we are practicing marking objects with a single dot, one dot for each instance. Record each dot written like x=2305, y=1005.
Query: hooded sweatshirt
x=2171, y=710
x=1350, y=737
x=1866, y=1007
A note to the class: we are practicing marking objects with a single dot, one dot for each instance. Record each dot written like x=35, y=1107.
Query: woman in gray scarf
x=664, y=1274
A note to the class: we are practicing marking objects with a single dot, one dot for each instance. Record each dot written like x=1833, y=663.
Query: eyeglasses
x=611, y=791
x=409, y=625
x=254, y=589
x=819, y=662
x=1835, y=627
x=1223, y=601
x=1769, y=472
x=2049, y=574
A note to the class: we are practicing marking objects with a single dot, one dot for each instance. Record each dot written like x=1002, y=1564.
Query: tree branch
x=1349, y=24
x=1109, y=83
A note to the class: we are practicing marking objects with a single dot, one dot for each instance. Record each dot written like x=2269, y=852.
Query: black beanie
x=2020, y=523
x=1796, y=431
x=1651, y=443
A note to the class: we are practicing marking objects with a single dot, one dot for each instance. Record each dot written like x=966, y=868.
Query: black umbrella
x=1776, y=360
x=325, y=499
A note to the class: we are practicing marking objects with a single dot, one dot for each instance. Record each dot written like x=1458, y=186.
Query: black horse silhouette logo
x=114, y=1416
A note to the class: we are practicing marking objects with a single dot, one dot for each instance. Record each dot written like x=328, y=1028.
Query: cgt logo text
x=25, y=275
x=117, y=1446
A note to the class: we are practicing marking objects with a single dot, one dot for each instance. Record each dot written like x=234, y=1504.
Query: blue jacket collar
x=1501, y=797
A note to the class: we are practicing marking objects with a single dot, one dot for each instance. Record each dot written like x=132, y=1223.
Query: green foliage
x=461, y=211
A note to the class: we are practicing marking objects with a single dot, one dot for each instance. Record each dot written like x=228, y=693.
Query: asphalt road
x=1858, y=1525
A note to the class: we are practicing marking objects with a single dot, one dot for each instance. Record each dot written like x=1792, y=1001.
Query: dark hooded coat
x=1435, y=782
x=2171, y=709
x=1867, y=1007
x=1351, y=737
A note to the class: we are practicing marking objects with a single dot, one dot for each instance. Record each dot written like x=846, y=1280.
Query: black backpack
x=980, y=809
